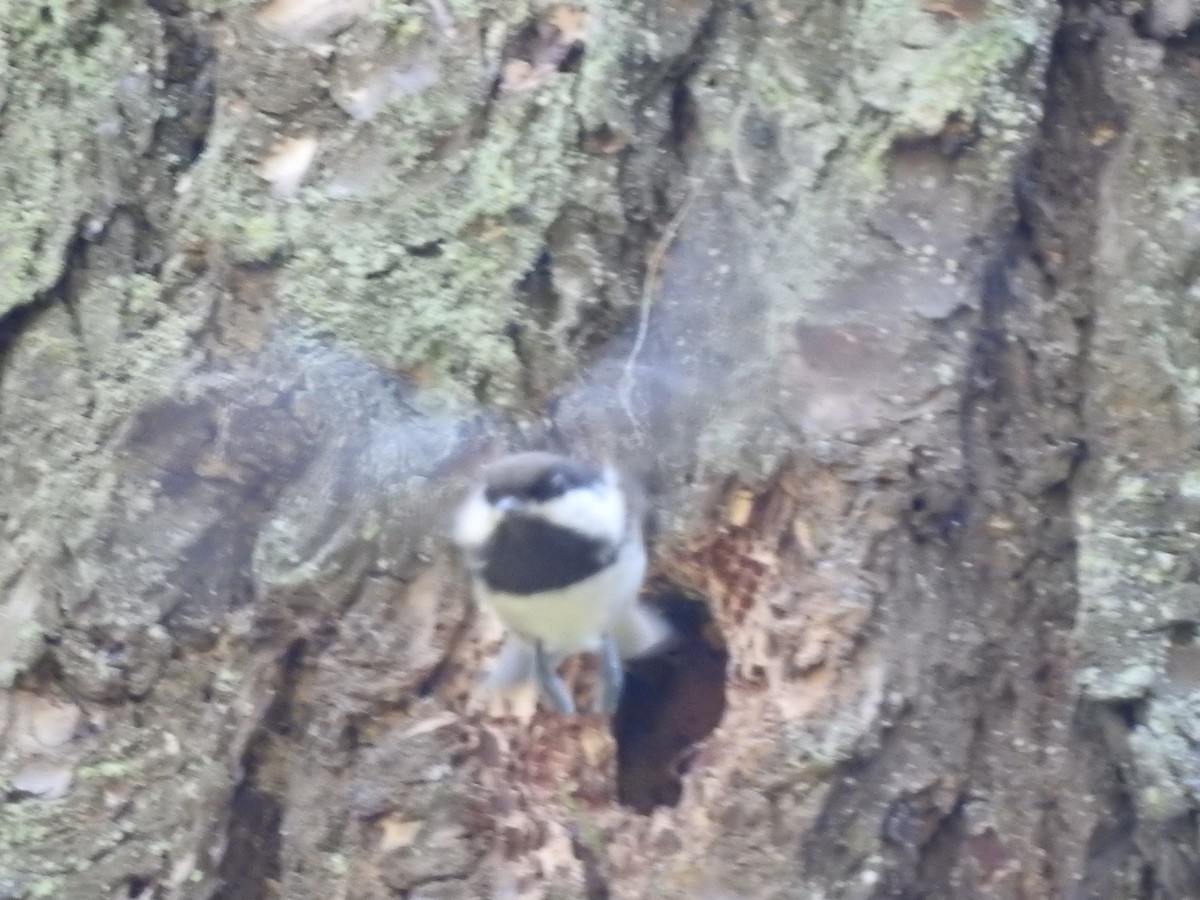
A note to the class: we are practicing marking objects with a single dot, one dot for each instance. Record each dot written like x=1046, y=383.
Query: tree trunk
x=893, y=307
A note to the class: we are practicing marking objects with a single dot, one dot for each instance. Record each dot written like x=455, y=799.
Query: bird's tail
x=641, y=631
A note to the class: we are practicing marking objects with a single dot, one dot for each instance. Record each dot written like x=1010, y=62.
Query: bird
x=554, y=547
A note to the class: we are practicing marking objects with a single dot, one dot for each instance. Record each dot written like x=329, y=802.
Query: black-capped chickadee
x=554, y=547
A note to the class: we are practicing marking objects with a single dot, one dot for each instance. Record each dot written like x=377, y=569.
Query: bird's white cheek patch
x=476, y=521
x=598, y=513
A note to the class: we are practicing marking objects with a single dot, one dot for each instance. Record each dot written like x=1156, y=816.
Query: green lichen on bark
x=943, y=70
x=1138, y=512
x=415, y=266
x=840, y=99
x=54, y=128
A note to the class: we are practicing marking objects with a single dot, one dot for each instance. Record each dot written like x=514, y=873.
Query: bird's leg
x=551, y=685
x=612, y=676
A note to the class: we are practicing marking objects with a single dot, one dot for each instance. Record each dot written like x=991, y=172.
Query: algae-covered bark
x=892, y=305
x=1137, y=509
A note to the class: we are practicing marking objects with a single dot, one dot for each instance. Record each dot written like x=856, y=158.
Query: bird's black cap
x=537, y=476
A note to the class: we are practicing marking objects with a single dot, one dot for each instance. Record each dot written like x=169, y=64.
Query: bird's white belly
x=572, y=619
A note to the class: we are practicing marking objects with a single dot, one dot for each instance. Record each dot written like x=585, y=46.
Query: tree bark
x=892, y=306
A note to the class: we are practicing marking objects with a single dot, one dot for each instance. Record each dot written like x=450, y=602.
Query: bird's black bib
x=528, y=555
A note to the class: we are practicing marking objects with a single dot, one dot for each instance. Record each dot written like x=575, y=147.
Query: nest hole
x=670, y=702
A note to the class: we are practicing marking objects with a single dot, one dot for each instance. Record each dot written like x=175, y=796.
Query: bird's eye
x=550, y=485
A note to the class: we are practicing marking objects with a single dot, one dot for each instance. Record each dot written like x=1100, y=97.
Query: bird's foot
x=612, y=677
x=551, y=686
